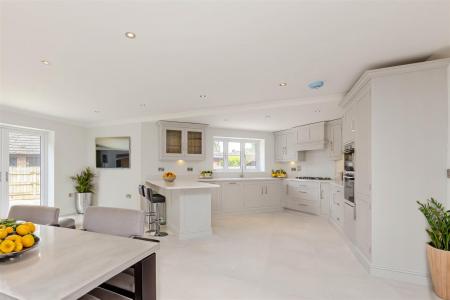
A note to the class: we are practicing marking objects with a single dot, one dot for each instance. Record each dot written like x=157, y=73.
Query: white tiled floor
x=277, y=256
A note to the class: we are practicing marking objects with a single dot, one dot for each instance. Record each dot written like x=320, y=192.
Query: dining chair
x=42, y=215
x=122, y=222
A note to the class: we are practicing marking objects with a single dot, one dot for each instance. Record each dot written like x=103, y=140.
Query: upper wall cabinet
x=182, y=141
x=349, y=125
x=285, y=146
x=334, y=138
x=311, y=137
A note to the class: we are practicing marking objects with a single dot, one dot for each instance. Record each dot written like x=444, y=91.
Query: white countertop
x=68, y=263
x=237, y=179
x=181, y=184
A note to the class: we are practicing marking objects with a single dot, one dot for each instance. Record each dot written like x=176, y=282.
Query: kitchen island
x=188, y=206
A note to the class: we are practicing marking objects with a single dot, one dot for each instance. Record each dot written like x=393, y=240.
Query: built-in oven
x=349, y=173
x=349, y=187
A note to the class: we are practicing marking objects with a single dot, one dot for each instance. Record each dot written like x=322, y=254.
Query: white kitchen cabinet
x=259, y=194
x=232, y=197
x=216, y=199
x=180, y=140
x=362, y=145
x=311, y=137
x=325, y=198
x=285, y=146
x=253, y=194
x=303, y=196
x=363, y=232
x=337, y=205
x=334, y=138
x=272, y=196
x=349, y=125
x=349, y=221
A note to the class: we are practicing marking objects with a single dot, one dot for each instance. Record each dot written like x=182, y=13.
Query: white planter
x=82, y=201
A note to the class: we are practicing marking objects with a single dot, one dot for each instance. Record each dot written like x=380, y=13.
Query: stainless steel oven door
x=349, y=188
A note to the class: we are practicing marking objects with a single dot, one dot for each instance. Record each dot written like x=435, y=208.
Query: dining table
x=68, y=263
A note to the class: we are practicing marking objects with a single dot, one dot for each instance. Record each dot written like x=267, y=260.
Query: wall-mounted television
x=112, y=152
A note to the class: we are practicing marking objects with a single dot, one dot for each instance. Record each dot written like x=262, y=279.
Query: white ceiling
x=235, y=52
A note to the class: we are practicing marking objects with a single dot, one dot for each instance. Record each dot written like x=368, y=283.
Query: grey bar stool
x=150, y=213
x=156, y=199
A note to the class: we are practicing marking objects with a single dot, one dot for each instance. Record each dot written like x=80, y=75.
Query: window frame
x=242, y=142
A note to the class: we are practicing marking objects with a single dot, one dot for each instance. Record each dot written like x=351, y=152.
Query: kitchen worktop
x=181, y=184
x=334, y=182
x=237, y=179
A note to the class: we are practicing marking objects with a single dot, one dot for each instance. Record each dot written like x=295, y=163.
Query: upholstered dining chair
x=122, y=222
x=42, y=215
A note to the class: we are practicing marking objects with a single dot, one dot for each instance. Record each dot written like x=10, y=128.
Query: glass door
x=22, y=168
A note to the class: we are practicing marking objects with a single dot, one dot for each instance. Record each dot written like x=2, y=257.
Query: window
x=236, y=154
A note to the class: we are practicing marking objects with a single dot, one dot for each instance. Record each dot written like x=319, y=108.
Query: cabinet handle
x=262, y=188
x=287, y=189
x=232, y=183
x=301, y=204
x=354, y=213
x=266, y=189
x=337, y=218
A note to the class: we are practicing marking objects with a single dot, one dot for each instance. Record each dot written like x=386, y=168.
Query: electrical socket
x=160, y=169
x=190, y=169
x=128, y=196
x=70, y=195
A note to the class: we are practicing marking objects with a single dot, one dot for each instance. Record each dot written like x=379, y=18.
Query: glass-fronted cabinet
x=182, y=141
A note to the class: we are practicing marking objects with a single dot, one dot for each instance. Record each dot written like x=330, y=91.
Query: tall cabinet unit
x=395, y=116
x=180, y=140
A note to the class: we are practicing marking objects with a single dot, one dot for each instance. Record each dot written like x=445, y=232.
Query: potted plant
x=84, y=185
x=438, y=249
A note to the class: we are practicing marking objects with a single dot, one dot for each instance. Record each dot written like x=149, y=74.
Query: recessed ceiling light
x=45, y=62
x=315, y=85
x=283, y=84
x=130, y=35
x=203, y=97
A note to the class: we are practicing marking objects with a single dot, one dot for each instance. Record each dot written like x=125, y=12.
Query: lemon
x=15, y=238
x=7, y=246
x=31, y=226
x=9, y=229
x=28, y=240
x=3, y=233
x=19, y=247
x=22, y=229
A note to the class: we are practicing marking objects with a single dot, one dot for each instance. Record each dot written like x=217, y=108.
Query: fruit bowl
x=169, y=176
x=11, y=255
x=16, y=238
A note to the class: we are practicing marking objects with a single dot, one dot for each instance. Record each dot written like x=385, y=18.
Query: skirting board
x=383, y=271
x=401, y=275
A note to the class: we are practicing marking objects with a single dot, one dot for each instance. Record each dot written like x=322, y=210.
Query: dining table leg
x=145, y=278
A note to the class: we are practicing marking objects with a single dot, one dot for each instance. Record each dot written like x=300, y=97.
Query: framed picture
x=112, y=152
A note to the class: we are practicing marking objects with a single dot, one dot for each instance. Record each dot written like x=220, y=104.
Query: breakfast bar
x=188, y=205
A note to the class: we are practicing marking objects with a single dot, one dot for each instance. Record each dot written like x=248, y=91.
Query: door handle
x=7, y=176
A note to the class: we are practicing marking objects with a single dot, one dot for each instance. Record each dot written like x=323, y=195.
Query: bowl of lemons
x=16, y=238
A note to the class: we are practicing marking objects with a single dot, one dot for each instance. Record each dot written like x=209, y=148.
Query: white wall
x=69, y=152
x=409, y=159
x=118, y=187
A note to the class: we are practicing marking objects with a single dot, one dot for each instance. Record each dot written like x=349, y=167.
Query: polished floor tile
x=276, y=256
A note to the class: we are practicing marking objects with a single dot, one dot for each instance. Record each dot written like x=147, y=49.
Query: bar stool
x=150, y=212
x=156, y=199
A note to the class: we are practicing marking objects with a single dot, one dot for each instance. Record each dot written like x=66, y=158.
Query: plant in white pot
x=84, y=185
x=438, y=249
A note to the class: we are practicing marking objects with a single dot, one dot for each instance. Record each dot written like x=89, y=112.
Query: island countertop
x=181, y=184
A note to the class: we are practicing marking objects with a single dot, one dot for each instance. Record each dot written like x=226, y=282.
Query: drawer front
x=303, y=205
